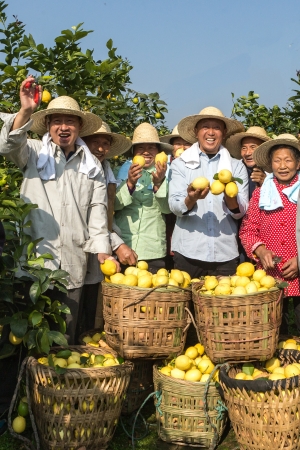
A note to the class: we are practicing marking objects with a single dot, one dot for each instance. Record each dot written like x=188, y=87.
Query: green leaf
x=109, y=44
x=58, y=338
x=60, y=370
x=35, y=318
x=50, y=359
x=248, y=368
x=64, y=309
x=44, y=342
x=19, y=327
x=216, y=176
x=239, y=180
x=46, y=256
x=5, y=320
x=35, y=291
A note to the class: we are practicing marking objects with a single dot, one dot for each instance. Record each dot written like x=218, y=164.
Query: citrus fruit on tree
x=23, y=409
x=19, y=424
x=46, y=96
x=158, y=115
x=14, y=339
x=135, y=100
x=109, y=267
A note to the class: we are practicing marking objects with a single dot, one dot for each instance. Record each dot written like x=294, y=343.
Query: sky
x=194, y=53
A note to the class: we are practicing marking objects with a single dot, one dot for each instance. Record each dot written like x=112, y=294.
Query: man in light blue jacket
x=204, y=241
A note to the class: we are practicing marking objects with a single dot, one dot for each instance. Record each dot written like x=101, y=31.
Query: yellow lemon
x=145, y=281
x=245, y=269
x=248, y=377
x=233, y=280
x=177, y=275
x=161, y=279
x=200, y=348
x=267, y=281
x=223, y=289
x=186, y=275
x=261, y=289
x=143, y=265
x=135, y=271
x=240, y=376
x=183, y=362
x=143, y=272
x=14, y=339
x=239, y=290
x=108, y=267
x=251, y=288
x=257, y=284
x=73, y=360
x=225, y=176
x=217, y=187
x=179, y=152
x=280, y=344
x=279, y=370
x=258, y=274
x=166, y=370
x=177, y=373
x=225, y=280
x=61, y=362
x=129, y=270
x=191, y=352
x=195, y=280
x=292, y=341
x=161, y=157
x=290, y=346
x=117, y=278
x=46, y=96
x=162, y=272
x=200, y=183
x=130, y=280
x=272, y=363
x=74, y=366
x=186, y=282
x=140, y=160
x=19, y=424
x=206, y=366
x=276, y=376
x=204, y=378
x=242, y=281
x=173, y=282
x=193, y=375
x=154, y=280
x=231, y=189
x=210, y=283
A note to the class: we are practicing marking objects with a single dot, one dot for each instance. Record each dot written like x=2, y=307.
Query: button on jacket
x=71, y=215
x=140, y=216
x=208, y=232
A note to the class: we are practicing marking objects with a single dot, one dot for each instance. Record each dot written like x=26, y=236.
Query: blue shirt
x=208, y=232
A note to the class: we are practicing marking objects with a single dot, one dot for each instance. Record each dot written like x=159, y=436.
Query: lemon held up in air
x=109, y=267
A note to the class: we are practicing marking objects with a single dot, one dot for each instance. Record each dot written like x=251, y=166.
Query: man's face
x=99, y=145
x=177, y=143
x=249, y=144
x=148, y=151
x=64, y=130
x=210, y=134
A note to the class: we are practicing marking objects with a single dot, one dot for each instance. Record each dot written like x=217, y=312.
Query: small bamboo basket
x=145, y=323
x=264, y=414
x=188, y=413
x=238, y=328
x=79, y=408
x=292, y=356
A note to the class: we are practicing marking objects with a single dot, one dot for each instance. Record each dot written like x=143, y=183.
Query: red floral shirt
x=275, y=229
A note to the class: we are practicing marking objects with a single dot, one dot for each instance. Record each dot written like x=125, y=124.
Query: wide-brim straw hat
x=186, y=127
x=119, y=144
x=65, y=105
x=234, y=143
x=145, y=133
x=168, y=137
x=261, y=153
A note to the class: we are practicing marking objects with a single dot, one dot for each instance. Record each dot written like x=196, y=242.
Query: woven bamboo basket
x=145, y=323
x=292, y=356
x=182, y=417
x=79, y=408
x=140, y=386
x=264, y=414
x=238, y=328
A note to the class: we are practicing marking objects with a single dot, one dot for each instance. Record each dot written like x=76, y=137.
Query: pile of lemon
x=289, y=344
x=94, y=340
x=68, y=359
x=194, y=365
x=139, y=276
x=247, y=280
x=223, y=183
x=272, y=370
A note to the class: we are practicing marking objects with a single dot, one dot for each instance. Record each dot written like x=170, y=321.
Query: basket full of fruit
x=77, y=396
x=263, y=402
x=189, y=409
x=238, y=317
x=288, y=349
x=146, y=315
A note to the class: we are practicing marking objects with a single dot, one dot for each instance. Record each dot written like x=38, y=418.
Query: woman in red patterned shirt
x=269, y=227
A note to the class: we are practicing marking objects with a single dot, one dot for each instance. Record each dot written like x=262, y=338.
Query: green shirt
x=140, y=216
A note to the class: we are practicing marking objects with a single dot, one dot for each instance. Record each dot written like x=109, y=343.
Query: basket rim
x=262, y=293
x=166, y=289
x=183, y=382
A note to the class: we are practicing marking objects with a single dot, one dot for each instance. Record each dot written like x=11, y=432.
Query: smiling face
x=285, y=163
x=249, y=144
x=99, y=145
x=210, y=134
x=148, y=151
x=64, y=130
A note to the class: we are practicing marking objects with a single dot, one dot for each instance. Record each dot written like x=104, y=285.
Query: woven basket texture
x=151, y=327
x=264, y=420
x=102, y=343
x=140, y=386
x=292, y=356
x=238, y=328
x=79, y=408
x=183, y=419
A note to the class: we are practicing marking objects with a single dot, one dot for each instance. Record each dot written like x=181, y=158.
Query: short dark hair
x=294, y=150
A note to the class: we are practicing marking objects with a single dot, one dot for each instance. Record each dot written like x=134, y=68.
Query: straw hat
x=168, y=137
x=234, y=143
x=261, y=153
x=187, y=125
x=147, y=134
x=65, y=105
x=119, y=143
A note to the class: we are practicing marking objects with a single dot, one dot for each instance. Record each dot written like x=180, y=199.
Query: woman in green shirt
x=142, y=199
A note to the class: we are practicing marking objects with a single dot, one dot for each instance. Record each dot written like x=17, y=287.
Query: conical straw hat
x=168, y=137
x=234, y=143
x=147, y=134
x=261, y=153
x=119, y=145
x=65, y=105
x=187, y=125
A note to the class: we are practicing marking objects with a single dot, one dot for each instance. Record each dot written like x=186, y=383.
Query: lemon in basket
x=130, y=280
x=177, y=373
x=183, y=362
x=245, y=269
x=267, y=281
x=143, y=265
x=258, y=274
x=206, y=366
x=223, y=289
x=109, y=267
x=191, y=352
x=251, y=288
x=166, y=370
x=210, y=283
x=145, y=281
x=200, y=348
x=271, y=364
x=117, y=278
x=193, y=374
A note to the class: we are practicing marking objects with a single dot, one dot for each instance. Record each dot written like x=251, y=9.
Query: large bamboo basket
x=188, y=413
x=264, y=414
x=79, y=408
x=145, y=323
x=238, y=328
x=292, y=356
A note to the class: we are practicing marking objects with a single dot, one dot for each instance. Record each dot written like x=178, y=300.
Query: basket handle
x=135, y=302
x=192, y=320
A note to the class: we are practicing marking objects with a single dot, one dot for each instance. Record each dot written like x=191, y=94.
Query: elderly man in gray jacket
x=66, y=182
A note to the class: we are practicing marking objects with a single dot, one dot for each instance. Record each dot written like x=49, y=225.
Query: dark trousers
x=88, y=307
x=197, y=269
x=284, y=328
x=153, y=265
